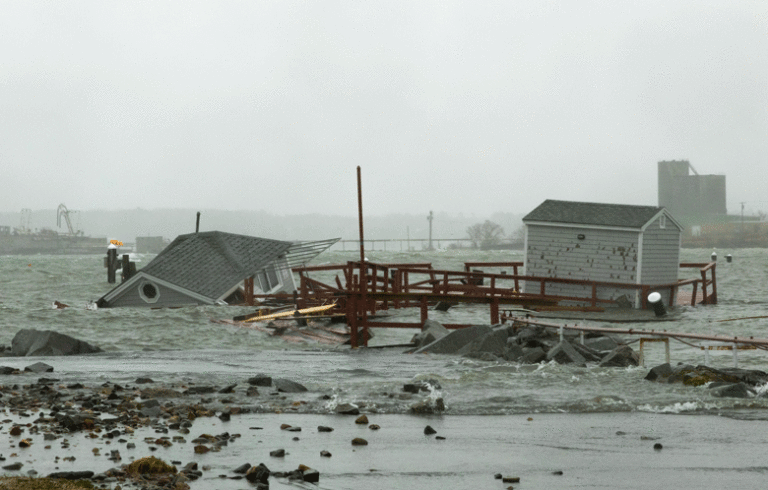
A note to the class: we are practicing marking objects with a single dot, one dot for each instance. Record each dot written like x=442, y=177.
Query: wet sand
x=610, y=450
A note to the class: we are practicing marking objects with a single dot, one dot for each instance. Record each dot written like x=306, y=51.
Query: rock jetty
x=726, y=382
x=523, y=343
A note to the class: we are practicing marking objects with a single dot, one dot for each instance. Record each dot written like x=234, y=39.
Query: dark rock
x=200, y=390
x=455, y=340
x=659, y=373
x=591, y=355
x=225, y=416
x=260, y=380
x=658, y=446
x=277, y=453
x=426, y=385
x=410, y=388
x=252, y=391
x=512, y=351
x=150, y=412
x=565, y=353
x=430, y=332
x=325, y=454
x=533, y=335
x=494, y=342
x=149, y=403
x=72, y=475
x=140, y=381
x=258, y=474
x=533, y=355
x=361, y=420
x=429, y=385
x=601, y=344
x=750, y=377
x=311, y=475
x=6, y=370
x=288, y=386
x=359, y=441
x=295, y=475
x=347, y=409
x=428, y=430
x=30, y=342
x=731, y=390
x=228, y=389
x=621, y=356
x=39, y=367
x=13, y=467
x=323, y=428
x=699, y=375
x=443, y=305
x=426, y=406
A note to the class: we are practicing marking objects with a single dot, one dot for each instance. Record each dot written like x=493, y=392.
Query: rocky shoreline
x=41, y=410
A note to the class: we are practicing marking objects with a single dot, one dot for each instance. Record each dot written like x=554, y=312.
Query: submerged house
x=212, y=268
x=613, y=243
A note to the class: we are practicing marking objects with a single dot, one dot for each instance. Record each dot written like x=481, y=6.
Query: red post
x=495, y=311
x=248, y=290
x=363, y=266
x=352, y=316
x=424, y=309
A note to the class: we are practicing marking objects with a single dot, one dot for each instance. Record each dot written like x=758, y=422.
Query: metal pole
x=363, y=267
x=430, y=230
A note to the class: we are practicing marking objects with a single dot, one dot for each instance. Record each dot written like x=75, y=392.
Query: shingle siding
x=610, y=250
x=661, y=254
x=603, y=255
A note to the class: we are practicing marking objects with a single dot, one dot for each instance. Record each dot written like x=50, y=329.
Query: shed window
x=268, y=279
x=149, y=292
x=663, y=221
x=264, y=281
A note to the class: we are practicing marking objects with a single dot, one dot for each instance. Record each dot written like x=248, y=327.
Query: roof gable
x=209, y=263
x=595, y=214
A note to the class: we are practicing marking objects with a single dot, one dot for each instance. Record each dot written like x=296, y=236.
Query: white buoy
x=657, y=304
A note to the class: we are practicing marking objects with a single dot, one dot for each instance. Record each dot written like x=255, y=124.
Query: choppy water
x=185, y=345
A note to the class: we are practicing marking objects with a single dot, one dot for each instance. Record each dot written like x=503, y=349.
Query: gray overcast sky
x=471, y=107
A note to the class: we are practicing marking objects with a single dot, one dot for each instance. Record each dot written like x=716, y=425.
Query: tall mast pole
x=363, y=266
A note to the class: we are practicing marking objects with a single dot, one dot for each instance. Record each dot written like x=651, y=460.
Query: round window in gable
x=149, y=292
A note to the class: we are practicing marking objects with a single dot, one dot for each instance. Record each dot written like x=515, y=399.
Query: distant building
x=613, y=243
x=686, y=194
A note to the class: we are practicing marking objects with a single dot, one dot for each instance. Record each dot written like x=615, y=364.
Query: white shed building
x=613, y=243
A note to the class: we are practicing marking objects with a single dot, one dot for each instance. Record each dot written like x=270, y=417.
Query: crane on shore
x=63, y=211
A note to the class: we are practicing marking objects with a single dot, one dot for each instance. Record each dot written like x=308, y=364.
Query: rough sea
x=551, y=425
x=187, y=343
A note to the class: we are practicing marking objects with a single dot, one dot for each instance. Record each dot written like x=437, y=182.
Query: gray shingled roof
x=590, y=213
x=211, y=263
